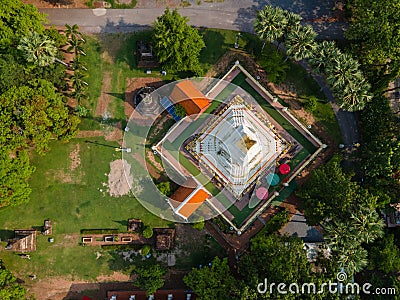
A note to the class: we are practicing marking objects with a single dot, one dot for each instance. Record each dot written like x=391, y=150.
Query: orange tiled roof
x=193, y=203
x=180, y=195
x=190, y=97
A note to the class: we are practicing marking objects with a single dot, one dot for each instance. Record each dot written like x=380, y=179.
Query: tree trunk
x=60, y=61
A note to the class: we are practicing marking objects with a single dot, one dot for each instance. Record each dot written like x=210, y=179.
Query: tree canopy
x=150, y=278
x=280, y=260
x=9, y=288
x=37, y=49
x=214, y=282
x=375, y=38
x=270, y=24
x=14, y=173
x=18, y=20
x=385, y=255
x=327, y=191
x=32, y=104
x=177, y=44
x=351, y=89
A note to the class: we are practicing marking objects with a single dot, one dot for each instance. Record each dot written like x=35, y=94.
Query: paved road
x=125, y=20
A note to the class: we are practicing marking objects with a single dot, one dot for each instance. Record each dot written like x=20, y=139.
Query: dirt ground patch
x=62, y=288
x=116, y=276
x=150, y=156
x=116, y=134
x=118, y=183
x=48, y=4
x=133, y=85
x=158, y=3
x=89, y=133
x=65, y=176
x=75, y=158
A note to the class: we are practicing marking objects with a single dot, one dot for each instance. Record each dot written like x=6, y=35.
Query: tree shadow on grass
x=123, y=48
x=122, y=222
x=214, y=41
x=96, y=290
x=120, y=96
x=6, y=234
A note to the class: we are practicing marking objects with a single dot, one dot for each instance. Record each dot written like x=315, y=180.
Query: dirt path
x=62, y=288
x=104, y=99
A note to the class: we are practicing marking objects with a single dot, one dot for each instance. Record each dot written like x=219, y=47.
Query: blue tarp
x=167, y=104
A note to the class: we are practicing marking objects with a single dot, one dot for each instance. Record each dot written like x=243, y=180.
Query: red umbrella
x=284, y=169
x=86, y=298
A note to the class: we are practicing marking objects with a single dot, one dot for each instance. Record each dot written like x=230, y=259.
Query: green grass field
x=72, y=201
x=72, y=198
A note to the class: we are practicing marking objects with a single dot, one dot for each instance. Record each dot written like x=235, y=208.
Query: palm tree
x=339, y=234
x=323, y=55
x=78, y=83
x=293, y=20
x=270, y=24
x=342, y=238
x=368, y=225
x=78, y=64
x=75, y=45
x=352, y=259
x=354, y=95
x=73, y=31
x=38, y=49
x=300, y=42
x=341, y=71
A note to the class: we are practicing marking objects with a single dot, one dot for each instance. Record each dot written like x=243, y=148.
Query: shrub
x=146, y=250
x=121, y=247
x=100, y=231
x=81, y=111
x=311, y=104
x=180, y=111
x=276, y=222
x=199, y=225
x=165, y=188
x=148, y=232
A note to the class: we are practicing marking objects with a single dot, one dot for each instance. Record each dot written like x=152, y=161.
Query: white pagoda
x=238, y=146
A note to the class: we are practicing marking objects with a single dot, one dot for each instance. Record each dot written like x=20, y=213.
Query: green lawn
x=304, y=83
x=325, y=116
x=219, y=41
x=72, y=200
x=113, y=54
x=59, y=259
